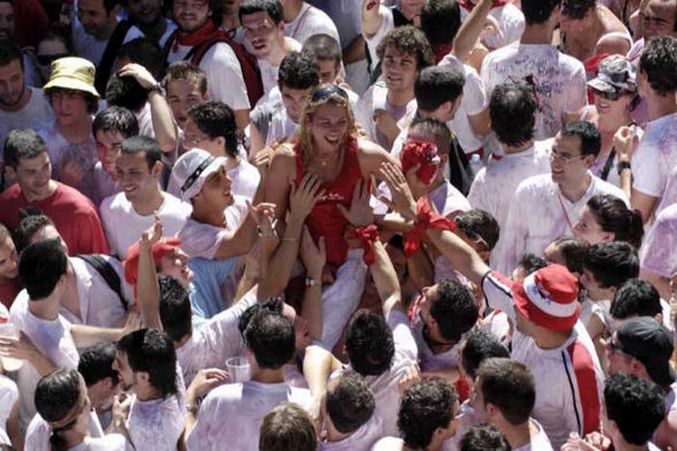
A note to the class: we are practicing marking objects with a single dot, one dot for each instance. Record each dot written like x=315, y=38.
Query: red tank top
x=325, y=220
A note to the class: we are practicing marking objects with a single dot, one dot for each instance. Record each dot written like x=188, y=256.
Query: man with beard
x=147, y=16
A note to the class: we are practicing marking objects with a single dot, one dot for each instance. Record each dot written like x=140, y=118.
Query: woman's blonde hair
x=322, y=95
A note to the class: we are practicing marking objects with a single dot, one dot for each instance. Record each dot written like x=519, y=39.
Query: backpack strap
x=105, y=66
x=108, y=273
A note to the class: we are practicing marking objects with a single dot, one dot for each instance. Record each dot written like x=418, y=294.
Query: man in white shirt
x=504, y=395
x=427, y=417
x=128, y=214
x=303, y=21
x=545, y=207
x=404, y=52
x=656, y=154
x=348, y=410
x=558, y=79
x=543, y=310
x=264, y=29
x=148, y=16
x=211, y=126
x=146, y=361
x=220, y=63
x=21, y=106
x=232, y=413
x=509, y=18
x=512, y=108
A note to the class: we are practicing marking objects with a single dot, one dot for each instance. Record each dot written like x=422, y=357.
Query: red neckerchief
x=468, y=6
x=367, y=236
x=194, y=38
x=441, y=50
x=426, y=219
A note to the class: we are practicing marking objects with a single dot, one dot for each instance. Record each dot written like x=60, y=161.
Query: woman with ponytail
x=65, y=421
x=607, y=218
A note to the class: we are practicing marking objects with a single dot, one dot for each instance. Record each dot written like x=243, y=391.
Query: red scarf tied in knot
x=367, y=236
x=421, y=153
x=206, y=32
x=426, y=219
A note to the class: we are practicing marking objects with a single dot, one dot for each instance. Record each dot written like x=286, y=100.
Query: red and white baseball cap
x=548, y=298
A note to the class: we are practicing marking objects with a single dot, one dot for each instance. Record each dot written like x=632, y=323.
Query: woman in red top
x=327, y=161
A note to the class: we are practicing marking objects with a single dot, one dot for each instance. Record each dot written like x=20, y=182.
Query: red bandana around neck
x=195, y=37
x=468, y=5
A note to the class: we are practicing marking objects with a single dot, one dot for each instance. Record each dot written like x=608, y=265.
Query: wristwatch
x=157, y=87
x=622, y=165
x=310, y=282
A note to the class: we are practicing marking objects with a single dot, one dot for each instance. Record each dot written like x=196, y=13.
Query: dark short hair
x=410, y=40
x=151, y=351
x=40, y=267
x=185, y=70
x=480, y=346
x=437, y=129
x=614, y=216
x=479, y=223
x=272, y=7
x=612, y=263
x=532, y=263
x=91, y=101
x=636, y=298
x=509, y=385
x=512, y=108
x=440, y=20
x=484, y=437
x=436, y=85
x=424, y=408
x=270, y=306
x=216, y=119
x=298, y=71
x=22, y=143
x=591, y=140
x=455, y=309
x=57, y=394
x=146, y=52
x=369, y=344
x=28, y=226
x=287, y=428
x=270, y=337
x=321, y=47
x=175, y=308
x=9, y=52
x=350, y=402
x=126, y=92
x=659, y=63
x=576, y=9
x=538, y=11
x=136, y=144
x=116, y=119
x=573, y=251
x=96, y=363
x=637, y=406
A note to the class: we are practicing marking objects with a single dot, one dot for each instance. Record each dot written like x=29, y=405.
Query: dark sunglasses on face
x=46, y=60
x=608, y=95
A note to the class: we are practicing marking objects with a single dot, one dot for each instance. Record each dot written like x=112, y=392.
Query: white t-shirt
x=272, y=121
x=656, y=156
x=511, y=22
x=386, y=386
x=107, y=186
x=659, y=251
x=387, y=24
x=670, y=194
x=203, y=240
x=539, y=214
x=376, y=98
x=495, y=184
x=124, y=226
x=269, y=72
x=9, y=394
x=52, y=338
x=36, y=114
x=244, y=179
x=309, y=22
x=360, y=440
x=569, y=379
x=232, y=414
x=388, y=444
x=224, y=75
x=157, y=424
x=559, y=79
x=39, y=432
x=539, y=442
x=217, y=340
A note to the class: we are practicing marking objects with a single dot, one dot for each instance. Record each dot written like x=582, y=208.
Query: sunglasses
x=608, y=95
x=327, y=91
x=46, y=60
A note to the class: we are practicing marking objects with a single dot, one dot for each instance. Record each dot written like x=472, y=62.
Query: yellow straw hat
x=72, y=73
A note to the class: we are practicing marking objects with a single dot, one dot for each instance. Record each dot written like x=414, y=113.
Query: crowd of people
x=386, y=225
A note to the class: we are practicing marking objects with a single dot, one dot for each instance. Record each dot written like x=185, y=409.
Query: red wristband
x=368, y=236
x=426, y=219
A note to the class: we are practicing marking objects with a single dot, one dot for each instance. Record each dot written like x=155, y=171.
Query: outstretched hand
x=304, y=196
x=313, y=256
x=154, y=233
x=402, y=198
x=360, y=213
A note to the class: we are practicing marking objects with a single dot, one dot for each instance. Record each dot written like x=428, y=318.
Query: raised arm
x=471, y=29
x=147, y=287
x=371, y=17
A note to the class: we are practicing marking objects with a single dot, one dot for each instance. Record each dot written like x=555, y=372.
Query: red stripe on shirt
x=586, y=381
